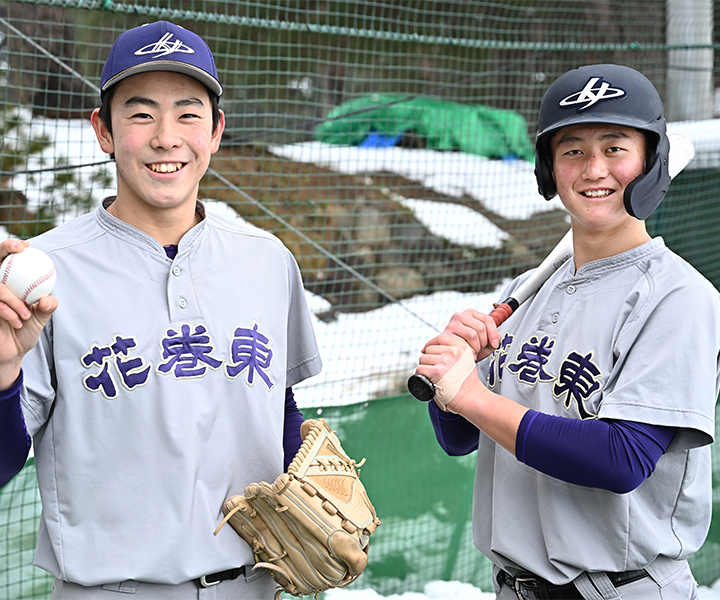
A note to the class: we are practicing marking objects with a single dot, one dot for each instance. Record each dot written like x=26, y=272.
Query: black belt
x=207, y=581
x=532, y=587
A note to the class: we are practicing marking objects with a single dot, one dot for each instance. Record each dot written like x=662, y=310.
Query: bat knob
x=421, y=387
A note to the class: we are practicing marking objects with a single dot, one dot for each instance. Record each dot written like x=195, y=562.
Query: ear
x=217, y=135
x=102, y=133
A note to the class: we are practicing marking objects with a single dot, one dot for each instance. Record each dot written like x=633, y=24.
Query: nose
x=166, y=135
x=595, y=167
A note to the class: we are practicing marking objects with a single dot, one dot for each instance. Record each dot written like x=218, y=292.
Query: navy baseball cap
x=160, y=46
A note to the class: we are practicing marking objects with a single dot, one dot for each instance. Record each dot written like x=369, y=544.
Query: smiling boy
x=162, y=136
x=592, y=166
x=592, y=408
x=167, y=352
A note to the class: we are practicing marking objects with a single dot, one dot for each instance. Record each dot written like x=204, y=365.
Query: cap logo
x=594, y=91
x=164, y=46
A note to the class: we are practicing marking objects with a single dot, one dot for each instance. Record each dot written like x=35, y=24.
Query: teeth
x=597, y=193
x=166, y=167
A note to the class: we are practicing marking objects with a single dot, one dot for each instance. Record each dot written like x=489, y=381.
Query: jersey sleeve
x=666, y=370
x=38, y=392
x=303, y=356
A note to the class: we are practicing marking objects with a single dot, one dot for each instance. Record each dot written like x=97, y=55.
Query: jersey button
x=176, y=271
x=571, y=289
x=555, y=318
x=182, y=303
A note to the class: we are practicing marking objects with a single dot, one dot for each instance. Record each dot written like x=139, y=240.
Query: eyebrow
x=135, y=100
x=611, y=135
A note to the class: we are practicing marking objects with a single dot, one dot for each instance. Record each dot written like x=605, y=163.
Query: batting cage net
x=389, y=144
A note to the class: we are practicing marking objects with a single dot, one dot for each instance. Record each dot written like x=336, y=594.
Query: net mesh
x=389, y=145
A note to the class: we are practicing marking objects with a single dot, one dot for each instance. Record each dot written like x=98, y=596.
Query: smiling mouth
x=165, y=167
x=597, y=193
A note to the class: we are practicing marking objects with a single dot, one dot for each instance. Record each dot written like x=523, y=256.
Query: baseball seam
x=8, y=268
x=42, y=279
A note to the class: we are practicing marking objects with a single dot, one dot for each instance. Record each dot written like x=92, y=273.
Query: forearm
x=496, y=416
x=9, y=374
x=14, y=440
x=292, y=440
x=456, y=435
x=612, y=455
x=451, y=358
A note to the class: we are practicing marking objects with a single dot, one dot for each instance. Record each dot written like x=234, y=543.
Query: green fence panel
x=19, y=519
x=422, y=496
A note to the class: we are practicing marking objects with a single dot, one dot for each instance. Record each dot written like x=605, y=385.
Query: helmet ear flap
x=645, y=193
x=629, y=199
x=544, y=176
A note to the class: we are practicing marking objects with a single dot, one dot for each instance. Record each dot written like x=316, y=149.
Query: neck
x=591, y=246
x=167, y=227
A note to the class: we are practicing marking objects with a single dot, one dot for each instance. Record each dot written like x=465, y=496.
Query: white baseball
x=29, y=274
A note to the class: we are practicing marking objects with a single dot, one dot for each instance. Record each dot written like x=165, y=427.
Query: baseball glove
x=311, y=527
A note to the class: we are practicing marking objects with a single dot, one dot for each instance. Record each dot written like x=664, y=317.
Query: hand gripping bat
x=423, y=389
x=681, y=153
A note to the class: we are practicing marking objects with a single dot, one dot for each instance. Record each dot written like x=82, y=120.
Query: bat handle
x=502, y=311
x=422, y=388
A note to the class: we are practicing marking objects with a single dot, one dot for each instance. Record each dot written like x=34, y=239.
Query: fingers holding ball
x=29, y=274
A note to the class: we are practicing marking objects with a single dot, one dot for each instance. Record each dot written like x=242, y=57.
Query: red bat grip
x=500, y=313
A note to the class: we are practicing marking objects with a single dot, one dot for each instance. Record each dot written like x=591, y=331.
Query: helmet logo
x=165, y=46
x=594, y=91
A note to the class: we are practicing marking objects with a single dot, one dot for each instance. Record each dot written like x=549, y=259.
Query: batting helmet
x=611, y=94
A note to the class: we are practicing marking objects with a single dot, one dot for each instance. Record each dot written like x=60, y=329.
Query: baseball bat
x=423, y=389
x=681, y=153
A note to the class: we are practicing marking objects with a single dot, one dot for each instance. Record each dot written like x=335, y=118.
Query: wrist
x=471, y=396
x=448, y=386
x=9, y=375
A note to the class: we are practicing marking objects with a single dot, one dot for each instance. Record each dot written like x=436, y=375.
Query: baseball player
x=592, y=407
x=162, y=384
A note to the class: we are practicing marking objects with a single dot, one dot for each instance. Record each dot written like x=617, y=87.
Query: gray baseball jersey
x=636, y=337
x=156, y=391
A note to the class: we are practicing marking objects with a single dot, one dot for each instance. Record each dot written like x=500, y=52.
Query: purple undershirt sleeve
x=456, y=435
x=292, y=440
x=611, y=455
x=14, y=439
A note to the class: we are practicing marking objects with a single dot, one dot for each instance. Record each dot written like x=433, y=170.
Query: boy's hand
x=20, y=325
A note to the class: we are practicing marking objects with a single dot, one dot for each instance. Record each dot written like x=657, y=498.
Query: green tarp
x=441, y=125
